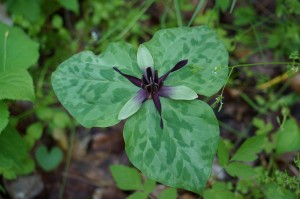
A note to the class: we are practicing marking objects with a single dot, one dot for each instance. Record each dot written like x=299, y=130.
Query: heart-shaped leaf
x=179, y=155
x=207, y=57
x=91, y=90
x=48, y=160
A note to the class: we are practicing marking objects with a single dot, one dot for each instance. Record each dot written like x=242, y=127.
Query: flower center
x=150, y=81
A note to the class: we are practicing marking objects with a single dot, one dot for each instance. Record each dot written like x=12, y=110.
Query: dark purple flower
x=152, y=86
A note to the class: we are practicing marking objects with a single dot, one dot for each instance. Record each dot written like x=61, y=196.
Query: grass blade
x=178, y=13
x=198, y=8
x=232, y=5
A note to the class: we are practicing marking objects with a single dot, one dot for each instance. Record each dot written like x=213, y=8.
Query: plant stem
x=247, y=65
x=5, y=48
x=67, y=167
x=178, y=13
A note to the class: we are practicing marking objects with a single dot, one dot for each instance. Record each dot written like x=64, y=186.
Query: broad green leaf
x=16, y=85
x=17, y=50
x=179, y=155
x=244, y=16
x=13, y=150
x=206, y=70
x=33, y=133
x=223, y=154
x=70, y=5
x=138, y=195
x=273, y=191
x=169, y=193
x=126, y=178
x=218, y=194
x=28, y=9
x=89, y=88
x=3, y=116
x=48, y=159
x=149, y=185
x=35, y=130
x=248, y=150
x=240, y=170
x=288, y=137
x=144, y=58
x=61, y=119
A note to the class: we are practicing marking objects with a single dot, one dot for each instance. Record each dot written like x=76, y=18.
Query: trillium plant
x=170, y=135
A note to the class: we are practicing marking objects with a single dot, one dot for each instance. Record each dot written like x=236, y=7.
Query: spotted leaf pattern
x=207, y=57
x=179, y=155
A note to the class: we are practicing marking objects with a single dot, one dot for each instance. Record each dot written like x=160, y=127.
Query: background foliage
x=259, y=121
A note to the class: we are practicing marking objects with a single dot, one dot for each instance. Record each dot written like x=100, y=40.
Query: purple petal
x=157, y=104
x=179, y=65
x=132, y=79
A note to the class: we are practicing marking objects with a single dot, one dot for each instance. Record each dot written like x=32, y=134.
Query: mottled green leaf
x=16, y=85
x=89, y=88
x=126, y=178
x=237, y=169
x=17, y=50
x=169, y=193
x=207, y=69
x=223, y=154
x=70, y=5
x=3, y=116
x=48, y=160
x=288, y=137
x=179, y=155
x=248, y=150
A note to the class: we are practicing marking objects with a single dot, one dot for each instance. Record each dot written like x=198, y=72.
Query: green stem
x=178, y=13
x=5, y=48
x=68, y=163
x=198, y=8
x=247, y=65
